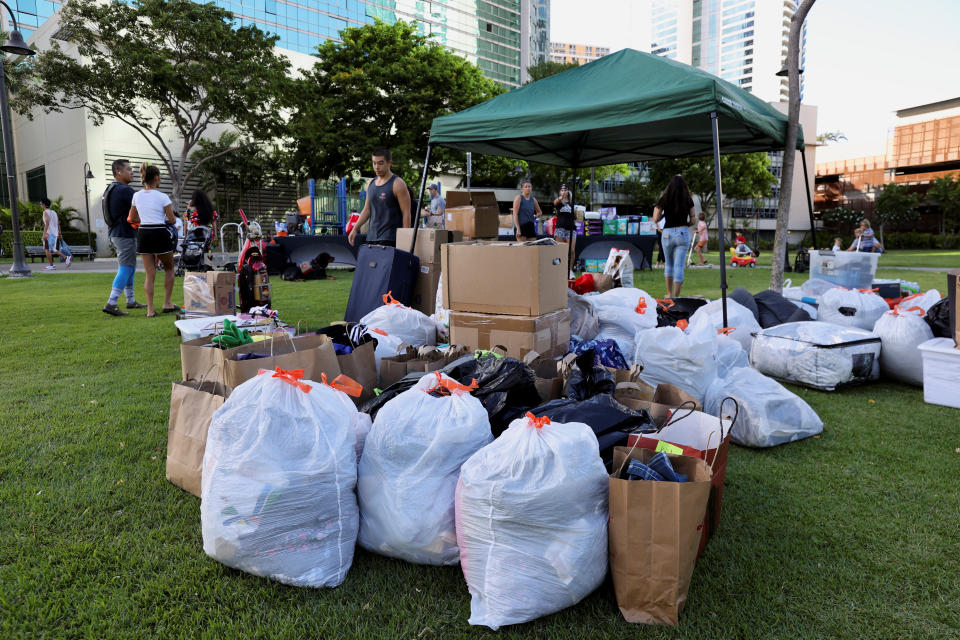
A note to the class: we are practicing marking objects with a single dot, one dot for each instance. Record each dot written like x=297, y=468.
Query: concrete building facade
x=565, y=52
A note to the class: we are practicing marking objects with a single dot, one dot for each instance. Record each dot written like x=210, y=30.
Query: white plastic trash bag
x=817, y=354
x=622, y=312
x=620, y=267
x=709, y=318
x=769, y=414
x=901, y=333
x=441, y=316
x=672, y=356
x=922, y=300
x=532, y=521
x=851, y=308
x=409, y=470
x=730, y=355
x=279, y=474
x=403, y=323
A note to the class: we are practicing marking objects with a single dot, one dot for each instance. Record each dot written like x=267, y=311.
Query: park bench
x=79, y=251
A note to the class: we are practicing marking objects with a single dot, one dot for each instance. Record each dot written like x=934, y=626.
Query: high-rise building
x=741, y=41
x=565, y=52
x=489, y=33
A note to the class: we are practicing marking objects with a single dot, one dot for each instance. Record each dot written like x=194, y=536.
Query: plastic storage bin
x=941, y=372
x=850, y=269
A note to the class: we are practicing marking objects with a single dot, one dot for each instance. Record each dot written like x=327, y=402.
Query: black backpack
x=105, y=205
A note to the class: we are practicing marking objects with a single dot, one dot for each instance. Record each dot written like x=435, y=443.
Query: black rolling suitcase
x=381, y=270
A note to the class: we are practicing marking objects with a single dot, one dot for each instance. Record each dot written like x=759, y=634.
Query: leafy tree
x=830, y=136
x=548, y=68
x=495, y=171
x=945, y=193
x=169, y=69
x=640, y=191
x=547, y=178
x=745, y=176
x=895, y=205
x=842, y=219
x=381, y=86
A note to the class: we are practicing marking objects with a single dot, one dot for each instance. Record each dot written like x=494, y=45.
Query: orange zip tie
x=641, y=306
x=537, y=422
x=449, y=385
x=290, y=376
x=682, y=324
x=389, y=299
x=725, y=331
x=380, y=331
x=665, y=304
x=344, y=383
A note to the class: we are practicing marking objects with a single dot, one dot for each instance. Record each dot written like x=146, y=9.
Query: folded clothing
x=658, y=469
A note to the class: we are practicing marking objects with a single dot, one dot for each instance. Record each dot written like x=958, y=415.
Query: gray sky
x=865, y=58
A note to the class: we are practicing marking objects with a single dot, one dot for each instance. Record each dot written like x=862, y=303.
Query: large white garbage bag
x=671, y=356
x=532, y=521
x=709, y=318
x=922, y=300
x=730, y=355
x=900, y=334
x=279, y=473
x=409, y=470
x=768, y=415
x=622, y=312
x=817, y=354
x=403, y=323
x=851, y=308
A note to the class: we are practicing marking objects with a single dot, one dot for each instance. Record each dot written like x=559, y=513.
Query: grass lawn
x=849, y=535
x=937, y=259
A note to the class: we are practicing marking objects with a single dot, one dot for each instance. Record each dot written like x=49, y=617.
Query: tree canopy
x=548, y=68
x=382, y=85
x=895, y=206
x=945, y=193
x=169, y=69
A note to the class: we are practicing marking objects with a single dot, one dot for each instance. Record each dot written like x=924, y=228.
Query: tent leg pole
x=423, y=186
x=720, y=228
x=806, y=188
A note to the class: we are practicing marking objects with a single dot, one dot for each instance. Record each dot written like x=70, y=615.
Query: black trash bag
x=775, y=309
x=669, y=312
x=938, y=317
x=373, y=405
x=505, y=386
x=588, y=379
x=745, y=298
x=611, y=421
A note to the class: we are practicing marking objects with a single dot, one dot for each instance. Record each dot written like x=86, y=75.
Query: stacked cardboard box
x=475, y=213
x=508, y=294
x=428, y=246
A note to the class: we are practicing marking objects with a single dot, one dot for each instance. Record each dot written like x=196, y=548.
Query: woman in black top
x=564, y=230
x=676, y=207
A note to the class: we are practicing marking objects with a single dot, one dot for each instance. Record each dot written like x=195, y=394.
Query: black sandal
x=170, y=309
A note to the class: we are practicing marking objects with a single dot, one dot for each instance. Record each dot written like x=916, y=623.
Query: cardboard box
x=212, y=292
x=429, y=242
x=548, y=334
x=506, y=221
x=475, y=213
x=425, y=289
x=508, y=278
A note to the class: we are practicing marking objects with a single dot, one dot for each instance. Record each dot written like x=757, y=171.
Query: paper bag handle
x=671, y=417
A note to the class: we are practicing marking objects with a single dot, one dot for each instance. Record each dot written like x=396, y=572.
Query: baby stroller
x=195, y=246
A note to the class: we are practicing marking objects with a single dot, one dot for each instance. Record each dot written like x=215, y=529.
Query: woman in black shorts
x=152, y=210
x=565, y=228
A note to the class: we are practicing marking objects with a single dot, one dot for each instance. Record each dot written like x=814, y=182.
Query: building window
x=36, y=184
x=489, y=28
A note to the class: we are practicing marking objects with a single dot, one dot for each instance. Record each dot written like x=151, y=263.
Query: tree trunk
x=789, y=147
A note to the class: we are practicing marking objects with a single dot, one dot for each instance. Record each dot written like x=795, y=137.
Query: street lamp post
x=16, y=46
x=87, y=175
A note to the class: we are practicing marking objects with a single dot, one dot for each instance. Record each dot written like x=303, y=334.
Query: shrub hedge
x=35, y=238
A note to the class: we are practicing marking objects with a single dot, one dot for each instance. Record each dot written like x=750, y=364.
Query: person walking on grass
x=526, y=210
x=675, y=206
x=152, y=211
x=702, y=240
x=52, y=236
x=116, y=205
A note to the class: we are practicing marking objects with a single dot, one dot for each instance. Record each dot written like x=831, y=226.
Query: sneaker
x=49, y=267
x=69, y=261
x=114, y=310
x=572, y=275
x=136, y=305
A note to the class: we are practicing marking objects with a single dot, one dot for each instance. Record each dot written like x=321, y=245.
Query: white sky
x=865, y=58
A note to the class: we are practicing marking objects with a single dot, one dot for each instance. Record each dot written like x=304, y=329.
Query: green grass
x=850, y=535
x=936, y=259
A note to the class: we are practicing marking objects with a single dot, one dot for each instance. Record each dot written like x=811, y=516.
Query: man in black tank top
x=387, y=206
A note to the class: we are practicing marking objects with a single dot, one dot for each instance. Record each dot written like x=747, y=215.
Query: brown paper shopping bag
x=192, y=405
x=655, y=530
x=361, y=365
x=312, y=353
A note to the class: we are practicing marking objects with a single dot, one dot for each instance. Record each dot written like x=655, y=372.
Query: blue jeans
x=676, y=241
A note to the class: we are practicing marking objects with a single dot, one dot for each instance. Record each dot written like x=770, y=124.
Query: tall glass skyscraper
x=489, y=33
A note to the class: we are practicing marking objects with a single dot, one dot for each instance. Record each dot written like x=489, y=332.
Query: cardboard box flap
x=471, y=198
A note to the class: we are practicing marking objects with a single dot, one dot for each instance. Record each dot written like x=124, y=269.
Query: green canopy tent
x=625, y=107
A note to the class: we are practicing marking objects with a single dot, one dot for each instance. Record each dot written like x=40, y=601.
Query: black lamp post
x=16, y=46
x=87, y=175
